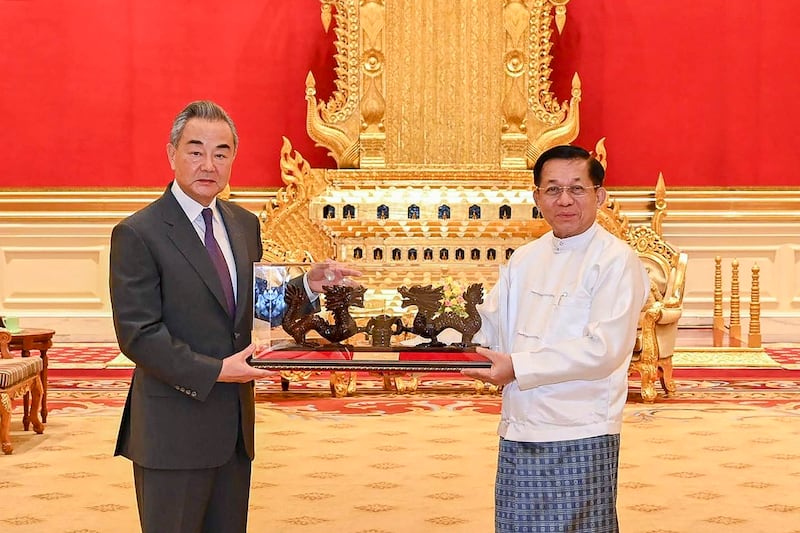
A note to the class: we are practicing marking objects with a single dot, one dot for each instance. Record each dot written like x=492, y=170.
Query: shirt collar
x=190, y=206
x=575, y=242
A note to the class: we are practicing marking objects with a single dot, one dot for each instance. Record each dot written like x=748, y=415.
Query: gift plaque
x=427, y=328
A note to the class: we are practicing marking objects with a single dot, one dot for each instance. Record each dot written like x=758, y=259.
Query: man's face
x=203, y=158
x=568, y=215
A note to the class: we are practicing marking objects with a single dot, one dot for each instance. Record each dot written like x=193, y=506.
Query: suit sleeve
x=143, y=336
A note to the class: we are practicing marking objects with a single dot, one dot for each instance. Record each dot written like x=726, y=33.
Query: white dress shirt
x=194, y=211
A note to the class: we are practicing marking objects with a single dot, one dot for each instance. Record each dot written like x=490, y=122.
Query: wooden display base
x=370, y=359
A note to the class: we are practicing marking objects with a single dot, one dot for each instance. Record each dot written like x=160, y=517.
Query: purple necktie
x=219, y=260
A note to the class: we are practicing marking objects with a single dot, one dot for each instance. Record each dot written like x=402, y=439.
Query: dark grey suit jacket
x=171, y=320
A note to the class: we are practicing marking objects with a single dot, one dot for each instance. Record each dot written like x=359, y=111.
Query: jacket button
x=236, y=336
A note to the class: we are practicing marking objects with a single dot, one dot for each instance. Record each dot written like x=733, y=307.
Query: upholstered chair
x=658, y=326
x=18, y=376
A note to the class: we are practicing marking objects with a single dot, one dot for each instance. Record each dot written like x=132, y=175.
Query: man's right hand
x=330, y=272
x=501, y=371
x=235, y=368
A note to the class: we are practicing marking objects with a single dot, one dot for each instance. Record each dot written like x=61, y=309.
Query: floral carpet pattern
x=719, y=456
x=81, y=378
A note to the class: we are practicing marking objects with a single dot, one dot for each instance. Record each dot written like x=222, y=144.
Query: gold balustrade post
x=735, y=334
x=718, y=328
x=754, y=335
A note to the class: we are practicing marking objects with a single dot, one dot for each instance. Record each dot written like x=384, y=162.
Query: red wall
x=703, y=91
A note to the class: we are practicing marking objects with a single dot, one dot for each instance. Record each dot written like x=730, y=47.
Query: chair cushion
x=658, y=276
x=17, y=369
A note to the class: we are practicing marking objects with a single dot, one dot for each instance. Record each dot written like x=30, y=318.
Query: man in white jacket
x=561, y=324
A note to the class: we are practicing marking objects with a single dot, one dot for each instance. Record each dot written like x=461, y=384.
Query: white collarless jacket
x=567, y=311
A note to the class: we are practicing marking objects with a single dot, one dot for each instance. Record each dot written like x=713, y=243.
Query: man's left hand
x=236, y=369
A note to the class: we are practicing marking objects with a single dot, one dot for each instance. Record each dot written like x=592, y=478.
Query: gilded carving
x=287, y=231
x=326, y=13
x=718, y=324
x=645, y=241
x=666, y=269
x=373, y=103
x=343, y=100
x=533, y=119
x=612, y=219
x=5, y=401
x=343, y=144
x=560, y=133
x=661, y=206
x=600, y=153
x=515, y=108
x=336, y=124
x=546, y=107
x=646, y=364
x=555, y=123
x=735, y=326
x=370, y=124
x=433, y=114
x=342, y=384
x=754, y=332
x=561, y=13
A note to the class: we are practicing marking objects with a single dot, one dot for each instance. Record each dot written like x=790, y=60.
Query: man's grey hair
x=203, y=109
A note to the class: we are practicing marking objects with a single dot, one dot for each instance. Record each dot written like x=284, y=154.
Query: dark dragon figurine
x=297, y=321
x=429, y=322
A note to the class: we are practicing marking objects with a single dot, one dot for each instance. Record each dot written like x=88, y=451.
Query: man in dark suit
x=182, y=300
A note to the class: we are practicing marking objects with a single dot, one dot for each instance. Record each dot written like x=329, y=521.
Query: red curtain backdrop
x=703, y=91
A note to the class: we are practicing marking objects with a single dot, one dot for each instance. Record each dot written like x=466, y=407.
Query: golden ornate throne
x=434, y=124
x=440, y=110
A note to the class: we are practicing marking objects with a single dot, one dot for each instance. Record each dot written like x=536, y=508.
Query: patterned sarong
x=566, y=486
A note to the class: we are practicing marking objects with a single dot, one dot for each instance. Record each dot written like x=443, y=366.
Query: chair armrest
x=670, y=315
x=673, y=297
x=650, y=317
x=5, y=339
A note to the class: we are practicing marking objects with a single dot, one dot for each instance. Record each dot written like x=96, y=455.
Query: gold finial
x=718, y=327
x=735, y=338
x=754, y=336
x=325, y=13
x=600, y=152
x=561, y=13
x=661, y=206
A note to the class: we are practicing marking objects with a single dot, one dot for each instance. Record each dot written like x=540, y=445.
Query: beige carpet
x=683, y=469
x=709, y=357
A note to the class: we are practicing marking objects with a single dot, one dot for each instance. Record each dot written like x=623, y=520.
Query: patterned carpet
x=718, y=457
x=683, y=469
x=84, y=377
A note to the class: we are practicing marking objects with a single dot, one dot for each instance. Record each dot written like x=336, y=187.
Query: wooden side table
x=34, y=339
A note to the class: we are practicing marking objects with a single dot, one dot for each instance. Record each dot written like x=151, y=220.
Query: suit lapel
x=184, y=237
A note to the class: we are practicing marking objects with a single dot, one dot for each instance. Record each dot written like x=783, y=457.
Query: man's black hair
x=569, y=152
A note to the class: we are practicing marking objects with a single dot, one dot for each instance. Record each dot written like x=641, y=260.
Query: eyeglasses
x=554, y=191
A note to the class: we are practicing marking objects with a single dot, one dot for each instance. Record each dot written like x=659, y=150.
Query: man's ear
x=601, y=196
x=171, y=151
